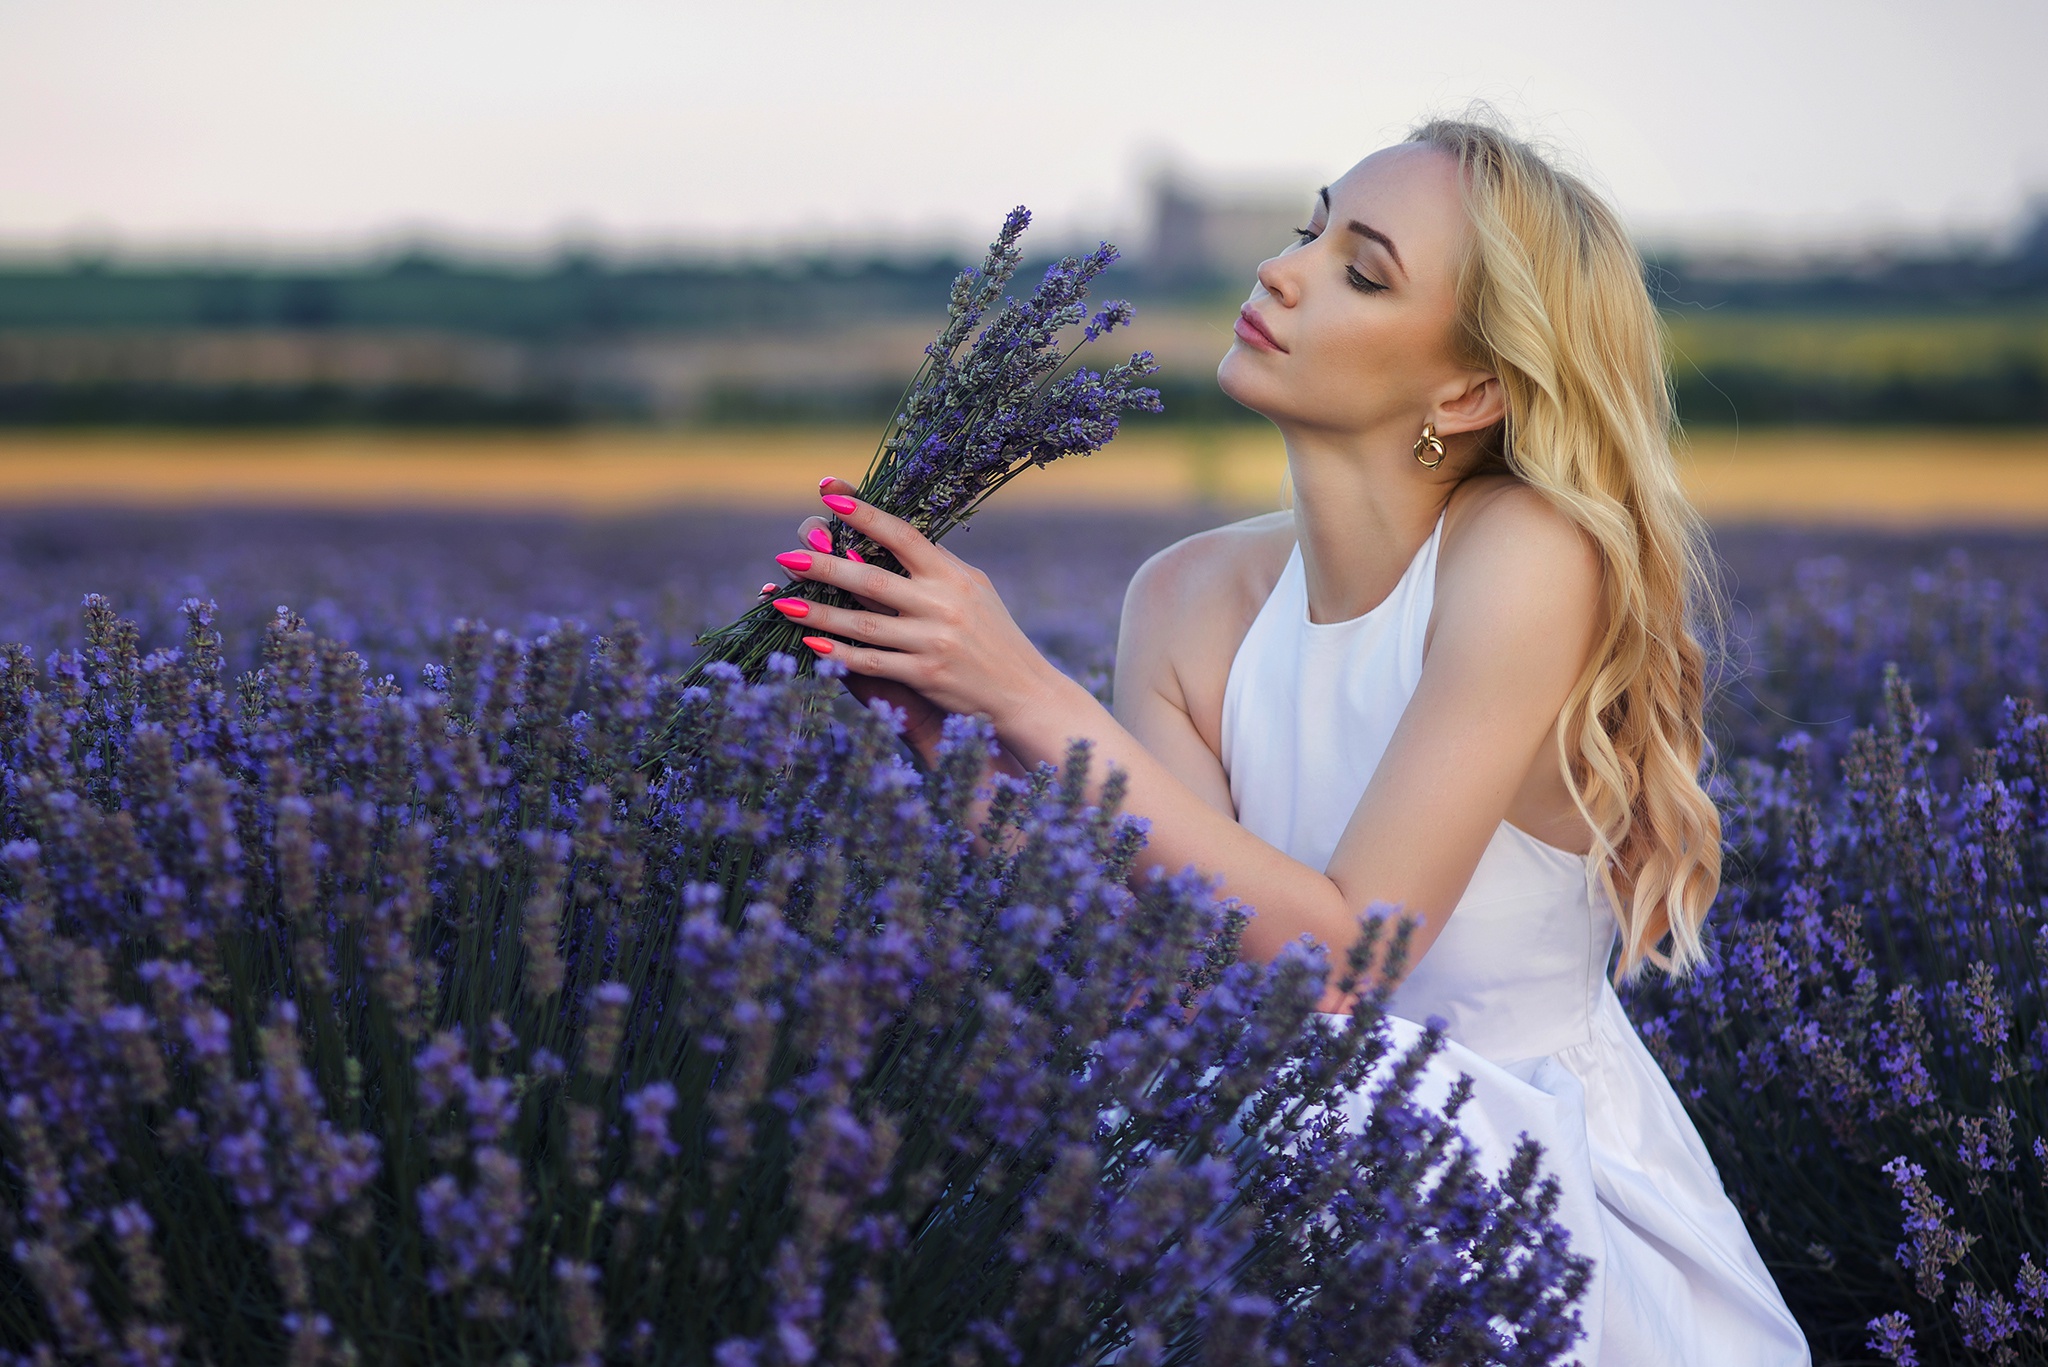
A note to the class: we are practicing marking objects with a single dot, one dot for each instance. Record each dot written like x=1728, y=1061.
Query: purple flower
x=475, y=1229
x=1891, y=1338
x=1987, y=1320
x=650, y=1108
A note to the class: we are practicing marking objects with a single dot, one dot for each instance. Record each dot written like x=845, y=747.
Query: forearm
x=945, y=636
x=1289, y=898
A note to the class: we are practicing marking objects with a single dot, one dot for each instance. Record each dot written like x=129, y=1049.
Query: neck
x=1359, y=517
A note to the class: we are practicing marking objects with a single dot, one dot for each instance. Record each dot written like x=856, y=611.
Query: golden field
x=1891, y=478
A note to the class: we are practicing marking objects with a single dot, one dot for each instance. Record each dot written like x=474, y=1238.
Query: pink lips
x=1250, y=329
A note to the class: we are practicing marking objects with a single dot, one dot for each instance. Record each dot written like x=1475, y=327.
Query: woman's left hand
x=950, y=638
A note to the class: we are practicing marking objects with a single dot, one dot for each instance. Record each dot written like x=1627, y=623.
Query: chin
x=1237, y=376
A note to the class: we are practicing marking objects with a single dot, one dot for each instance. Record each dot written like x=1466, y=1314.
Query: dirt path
x=1886, y=478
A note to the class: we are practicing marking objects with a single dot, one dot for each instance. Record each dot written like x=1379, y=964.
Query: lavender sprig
x=972, y=419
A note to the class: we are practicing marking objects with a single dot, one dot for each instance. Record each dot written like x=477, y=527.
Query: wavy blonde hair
x=1551, y=299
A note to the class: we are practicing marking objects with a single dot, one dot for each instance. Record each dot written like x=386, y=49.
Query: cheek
x=1390, y=357
x=1355, y=361
x=1377, y=342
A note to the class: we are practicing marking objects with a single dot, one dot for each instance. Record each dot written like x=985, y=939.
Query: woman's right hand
x=924, y=721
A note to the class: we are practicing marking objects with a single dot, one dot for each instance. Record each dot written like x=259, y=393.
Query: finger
x=816, y=532
x=878, y=664
x=910, y=546
x=863, y=581
x=866, y=628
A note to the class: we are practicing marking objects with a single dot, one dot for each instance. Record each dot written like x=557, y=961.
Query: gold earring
x=1436, y=447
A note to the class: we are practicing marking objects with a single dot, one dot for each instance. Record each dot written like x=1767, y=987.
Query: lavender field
x=392, y=586
x=1815, y=614
x=408, y=1008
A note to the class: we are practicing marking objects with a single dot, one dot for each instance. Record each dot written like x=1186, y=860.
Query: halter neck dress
x=1519, y=976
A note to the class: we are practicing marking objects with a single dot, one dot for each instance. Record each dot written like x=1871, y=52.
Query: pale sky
x=347, y=123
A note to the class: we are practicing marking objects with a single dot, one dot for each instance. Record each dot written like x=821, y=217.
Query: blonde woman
x=1458, y=675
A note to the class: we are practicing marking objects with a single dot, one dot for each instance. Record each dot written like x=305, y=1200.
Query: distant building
x=1208, y=236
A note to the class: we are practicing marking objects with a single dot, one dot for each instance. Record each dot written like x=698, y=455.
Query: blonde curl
x=1552, y=300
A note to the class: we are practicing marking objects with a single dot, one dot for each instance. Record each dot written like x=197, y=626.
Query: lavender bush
x=340, y=1022
x=1865, y=1054
x=1821, y=617
x=1818, y=617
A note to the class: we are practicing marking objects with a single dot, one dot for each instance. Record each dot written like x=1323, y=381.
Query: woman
x=1457, y=675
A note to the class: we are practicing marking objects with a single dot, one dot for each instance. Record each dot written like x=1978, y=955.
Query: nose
x=1276, y=277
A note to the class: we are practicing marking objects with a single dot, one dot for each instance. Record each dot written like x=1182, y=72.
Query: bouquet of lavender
x=343, y=1024
x=973, y=418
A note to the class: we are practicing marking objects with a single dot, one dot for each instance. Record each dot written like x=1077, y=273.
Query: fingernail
x=792, y=607
x=838, y=503
x=794, y=560
x=820, y=539
x=767, y=589
x=826, y=482
x=819, y=644
x=855, y=556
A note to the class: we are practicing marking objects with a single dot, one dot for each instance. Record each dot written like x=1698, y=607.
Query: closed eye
x=1361, y=281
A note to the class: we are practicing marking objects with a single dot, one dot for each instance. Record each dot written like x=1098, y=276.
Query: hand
x=938, y=631
x=923, y=720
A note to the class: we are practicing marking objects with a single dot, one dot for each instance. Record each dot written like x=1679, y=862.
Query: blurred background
x=620, y=260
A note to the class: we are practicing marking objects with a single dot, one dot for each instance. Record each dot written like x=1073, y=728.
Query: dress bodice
x=1308, y=711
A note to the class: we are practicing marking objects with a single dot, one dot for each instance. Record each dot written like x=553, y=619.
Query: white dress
x=1519, y=976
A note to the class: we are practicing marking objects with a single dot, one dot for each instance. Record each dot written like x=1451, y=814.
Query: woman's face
x=1350, y=330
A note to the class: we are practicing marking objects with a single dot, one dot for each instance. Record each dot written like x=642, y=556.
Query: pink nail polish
x=855, y=556
x=826, y=482
x=819, y=644
x=767, y=589
x=792, y=607
x=838, y=503
x=821, y=540
x=794, y=560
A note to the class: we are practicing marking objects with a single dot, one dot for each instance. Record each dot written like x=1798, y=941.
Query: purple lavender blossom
x=1891, y=1338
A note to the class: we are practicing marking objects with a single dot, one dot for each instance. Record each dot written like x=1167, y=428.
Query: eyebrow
x=1370, y=233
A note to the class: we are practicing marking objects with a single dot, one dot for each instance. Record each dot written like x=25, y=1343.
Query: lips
x=1252, y=329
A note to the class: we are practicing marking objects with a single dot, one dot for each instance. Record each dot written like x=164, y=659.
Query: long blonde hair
x=1551, y=299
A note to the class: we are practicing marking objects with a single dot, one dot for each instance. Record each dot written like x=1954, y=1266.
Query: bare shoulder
x=1187, y=611
x=1509, y=553
x=1215, y=569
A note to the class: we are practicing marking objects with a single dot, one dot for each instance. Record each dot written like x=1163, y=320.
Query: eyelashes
x=1360, y=281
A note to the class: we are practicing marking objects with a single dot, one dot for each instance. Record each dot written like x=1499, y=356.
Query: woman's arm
x=1514, y=621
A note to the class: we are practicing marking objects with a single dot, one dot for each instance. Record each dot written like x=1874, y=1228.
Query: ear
x=1480, y=404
